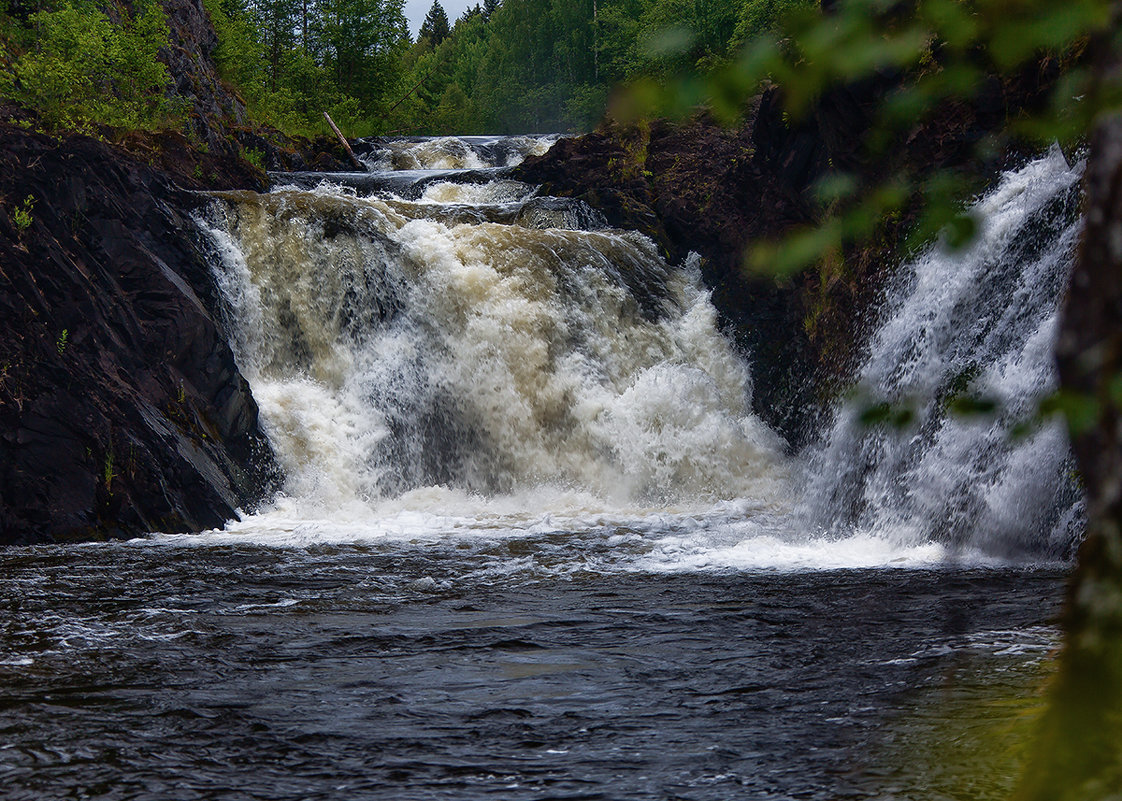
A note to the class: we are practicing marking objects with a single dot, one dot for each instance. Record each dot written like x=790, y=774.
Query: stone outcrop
x=189, y=56
x=697, y=186
x=217, y=118
x=121, y=408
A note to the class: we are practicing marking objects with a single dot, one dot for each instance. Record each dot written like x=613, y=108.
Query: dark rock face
x=190, y=61
x=697, y=186
x=121, y=408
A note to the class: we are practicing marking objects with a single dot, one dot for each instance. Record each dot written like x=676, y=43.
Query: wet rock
x=121, y=408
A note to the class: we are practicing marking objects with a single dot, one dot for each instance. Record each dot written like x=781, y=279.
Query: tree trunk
x=1078, y=754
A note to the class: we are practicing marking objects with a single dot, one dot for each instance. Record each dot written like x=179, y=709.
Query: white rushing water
x=460, y=361
x=979, y=324
x=451, y=152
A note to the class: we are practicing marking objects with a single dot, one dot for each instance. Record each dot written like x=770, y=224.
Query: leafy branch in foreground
x=929, y=55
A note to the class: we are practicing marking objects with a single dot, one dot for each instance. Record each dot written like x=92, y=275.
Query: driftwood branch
x=343, y=141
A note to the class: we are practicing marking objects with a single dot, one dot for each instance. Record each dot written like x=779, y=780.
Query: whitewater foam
x=448, y=371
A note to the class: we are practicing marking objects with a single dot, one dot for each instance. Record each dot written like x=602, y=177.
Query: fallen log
x=346, y=146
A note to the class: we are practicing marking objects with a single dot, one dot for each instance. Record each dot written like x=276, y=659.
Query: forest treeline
x=503, y=66
x=549, y=65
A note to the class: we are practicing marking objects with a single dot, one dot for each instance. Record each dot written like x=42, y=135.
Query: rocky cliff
x=121, y=408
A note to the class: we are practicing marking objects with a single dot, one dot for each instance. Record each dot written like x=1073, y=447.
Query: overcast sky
x=415, y=11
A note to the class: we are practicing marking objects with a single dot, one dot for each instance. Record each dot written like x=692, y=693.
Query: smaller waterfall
x=979, y=324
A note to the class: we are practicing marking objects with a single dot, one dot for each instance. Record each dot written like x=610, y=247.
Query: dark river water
x=179, y=671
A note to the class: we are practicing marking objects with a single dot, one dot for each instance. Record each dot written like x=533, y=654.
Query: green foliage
x=679, y=35
x=946, y=51
x=548, y=65
x=107, y=468
x=762, y=18
x=291, y=60
x=62, y=341
x=81, y=68
x=436, y=28
x=518, y=65
x=239, y=55
x=22, y=214
x=255, y=157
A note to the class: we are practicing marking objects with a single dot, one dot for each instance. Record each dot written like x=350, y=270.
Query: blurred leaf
x=1045, y=25
x=1079, y=410
x=969, y=406
x=796, y=251
x=960, y=231
x=669, y=42
x=835, y=186
x=893, y=415
x=953, y=20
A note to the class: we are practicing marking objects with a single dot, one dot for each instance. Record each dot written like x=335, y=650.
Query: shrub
x=84, y=69
x=255, y=157
x=22, y=214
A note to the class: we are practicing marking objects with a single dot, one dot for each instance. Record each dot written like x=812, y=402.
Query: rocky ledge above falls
x=121, y=408
x=697, y=186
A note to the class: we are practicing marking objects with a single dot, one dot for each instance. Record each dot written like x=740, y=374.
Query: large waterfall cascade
x=437, y=350
x=503, y=425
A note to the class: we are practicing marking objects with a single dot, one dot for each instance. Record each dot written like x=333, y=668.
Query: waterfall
x=475, y=344
x=980, y=324
x=450, y=152
x=437, y=348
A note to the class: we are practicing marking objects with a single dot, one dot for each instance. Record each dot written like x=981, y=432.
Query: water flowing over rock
x=451, y=350
x=474, y=338
x=966, y=329
x=698, y=186
x=451, y=152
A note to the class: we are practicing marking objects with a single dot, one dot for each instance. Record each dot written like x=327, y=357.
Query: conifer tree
x=436, y=27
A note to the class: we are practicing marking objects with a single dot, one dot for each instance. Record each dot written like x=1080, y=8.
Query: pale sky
x=415, y=11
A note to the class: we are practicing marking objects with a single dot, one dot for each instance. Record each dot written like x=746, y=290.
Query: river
x=533, y=542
